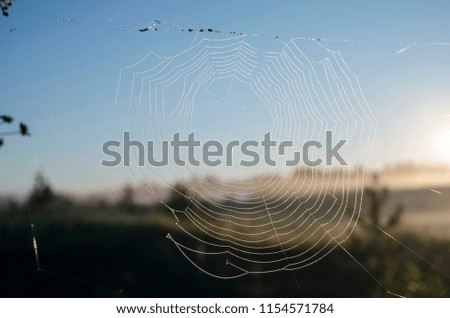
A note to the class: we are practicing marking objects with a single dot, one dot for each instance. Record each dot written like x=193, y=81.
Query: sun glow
x=443, y=144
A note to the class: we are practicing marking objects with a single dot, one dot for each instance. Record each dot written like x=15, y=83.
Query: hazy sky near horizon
x=61, y=62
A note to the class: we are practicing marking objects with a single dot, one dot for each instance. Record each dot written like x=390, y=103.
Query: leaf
x=24, y=130
x=7, y=119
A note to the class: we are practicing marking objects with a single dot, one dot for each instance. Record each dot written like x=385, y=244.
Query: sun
x=443, y=144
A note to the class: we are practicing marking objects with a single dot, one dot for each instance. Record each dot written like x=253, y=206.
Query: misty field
x=100, y=248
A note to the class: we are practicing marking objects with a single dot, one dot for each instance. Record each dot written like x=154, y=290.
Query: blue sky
x=60, y=71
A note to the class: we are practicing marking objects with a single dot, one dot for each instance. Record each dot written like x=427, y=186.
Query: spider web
x=263, y=219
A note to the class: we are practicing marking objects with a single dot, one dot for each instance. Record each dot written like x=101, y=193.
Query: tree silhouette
x=41, y=194
x=376, y=199
x=179, y=199
x=126, y=201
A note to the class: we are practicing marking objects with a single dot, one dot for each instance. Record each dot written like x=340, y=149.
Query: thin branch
x=9, y=133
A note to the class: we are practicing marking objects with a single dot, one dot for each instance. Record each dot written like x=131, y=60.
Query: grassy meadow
x=98, y=248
